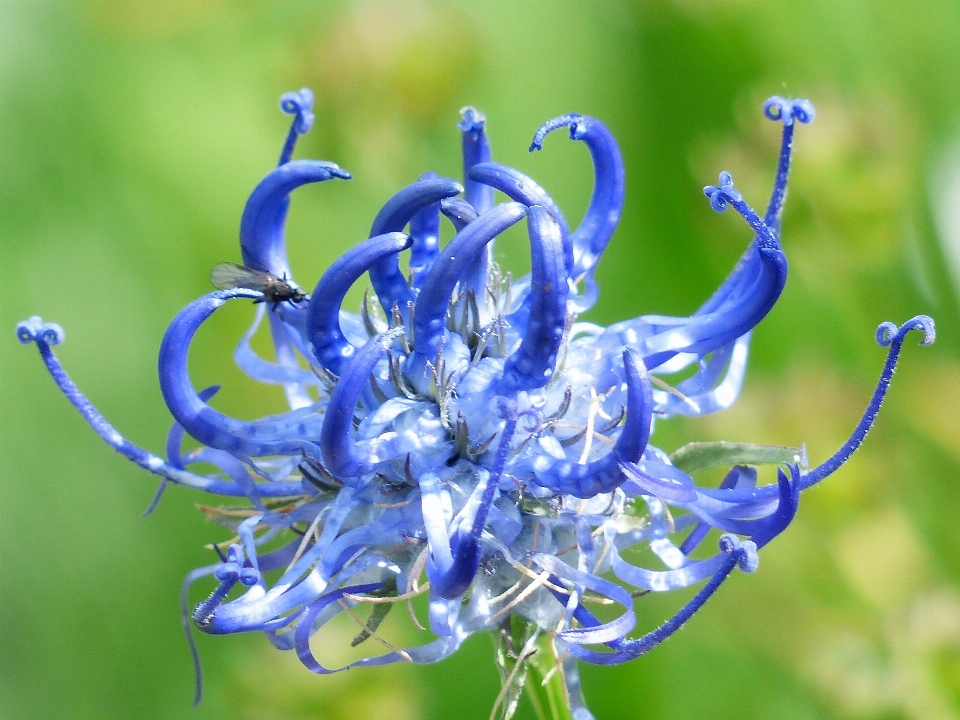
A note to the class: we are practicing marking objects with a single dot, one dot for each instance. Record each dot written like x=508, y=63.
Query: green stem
x=549, y=699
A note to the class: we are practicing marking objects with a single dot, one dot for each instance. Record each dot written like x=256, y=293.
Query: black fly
x=228, y=275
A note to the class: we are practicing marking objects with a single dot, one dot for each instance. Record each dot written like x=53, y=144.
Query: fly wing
x=228, y=275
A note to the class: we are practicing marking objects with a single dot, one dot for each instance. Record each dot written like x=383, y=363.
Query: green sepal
x=509, y=641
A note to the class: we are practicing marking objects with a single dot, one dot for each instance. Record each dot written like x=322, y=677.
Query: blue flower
x=468, y=426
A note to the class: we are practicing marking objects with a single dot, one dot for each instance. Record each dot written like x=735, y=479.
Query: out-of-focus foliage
x=130, y=136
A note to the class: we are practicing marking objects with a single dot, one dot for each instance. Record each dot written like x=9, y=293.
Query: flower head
x=468, y=426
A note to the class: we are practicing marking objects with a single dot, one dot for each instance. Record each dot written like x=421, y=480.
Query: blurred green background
x=132, y=133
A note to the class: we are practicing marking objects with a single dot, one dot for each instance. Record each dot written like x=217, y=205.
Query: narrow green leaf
x=377, y=615
x=706, y=455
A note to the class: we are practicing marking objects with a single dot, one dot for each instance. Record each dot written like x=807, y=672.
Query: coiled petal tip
x=723, y=194
x=35, y=330
x=299, y=103
x=786, y=111
x=748, y=560
x=888, y=332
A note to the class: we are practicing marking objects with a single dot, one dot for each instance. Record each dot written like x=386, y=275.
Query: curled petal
x=340, y=456
x=465, y=554
x=269, y=436
x=286, y=338
x=465, y=549
x=590, y=239
x=599, y=633
x=888, y=335
x=429, y=317
x=715, y=387
x=663, y=580
x=476, y=149
x=174, y=455
x=739, y=313
x=668, y=484
x=256, y=368
x=520, y=188
x=737, y=553
x=769, y=527
x=425, y=231
x=604, y=474
x=331, y=349
x=305, y=625
x=763, y=529
x=459, y=212
x=739, y=476
x=46, y=334
x=261, y=226
x=389, y=283
x=532, y=364
x=746, y=268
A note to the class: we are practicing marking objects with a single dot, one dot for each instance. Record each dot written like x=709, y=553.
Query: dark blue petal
x=425, y=231
x=778, y=109
x=520, y=188
x=269, y=436
x=533, y=362
x=340, y=456
x=389, y=283
x=429, y=317
x=330, y=347
x=476, y=149
x=475, y=275
x=595, y=230
x=261, y=226
x=740, y=476
x=459, y=212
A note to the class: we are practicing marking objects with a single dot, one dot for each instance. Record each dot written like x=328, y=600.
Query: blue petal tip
x=472, y=120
